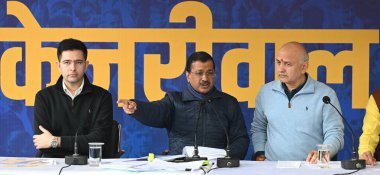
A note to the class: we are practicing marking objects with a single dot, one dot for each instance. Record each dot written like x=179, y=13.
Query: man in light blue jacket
x=290, y=118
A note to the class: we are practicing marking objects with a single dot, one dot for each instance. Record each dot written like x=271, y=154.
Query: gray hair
x=306, y=57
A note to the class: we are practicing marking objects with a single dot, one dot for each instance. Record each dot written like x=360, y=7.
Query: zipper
x=289, y=103
x=204, y=124
x=72, y=105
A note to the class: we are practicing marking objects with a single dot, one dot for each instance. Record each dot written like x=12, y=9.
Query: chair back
x=112, y=148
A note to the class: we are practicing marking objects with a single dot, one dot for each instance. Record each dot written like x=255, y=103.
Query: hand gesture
x=129, y=106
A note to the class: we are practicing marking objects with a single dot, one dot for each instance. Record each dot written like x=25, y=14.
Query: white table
x=270, y=168
x=49, y=166
x=42, y=166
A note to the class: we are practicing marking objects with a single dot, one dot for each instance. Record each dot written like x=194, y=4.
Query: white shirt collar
x=77, y=92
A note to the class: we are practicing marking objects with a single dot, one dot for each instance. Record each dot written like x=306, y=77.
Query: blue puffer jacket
x=178, y=112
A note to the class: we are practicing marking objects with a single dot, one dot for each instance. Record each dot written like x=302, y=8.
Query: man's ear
x=58, y=66
x=87, y=63
x=188, y=76
x=305, y=66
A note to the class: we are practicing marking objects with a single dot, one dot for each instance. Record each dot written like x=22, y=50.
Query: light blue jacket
x=291, y=133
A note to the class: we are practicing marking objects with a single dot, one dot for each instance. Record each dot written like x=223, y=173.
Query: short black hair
x=71, y=44
x=198, y=56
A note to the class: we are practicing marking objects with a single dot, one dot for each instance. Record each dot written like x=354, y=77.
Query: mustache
x=204, y=83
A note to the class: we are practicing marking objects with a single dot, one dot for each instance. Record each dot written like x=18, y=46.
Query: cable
x=203, y=170
x=212, y=169
x=62, y=169
x=206, y=167
x=349, y=172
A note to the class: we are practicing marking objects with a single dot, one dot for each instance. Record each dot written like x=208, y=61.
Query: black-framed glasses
x=200, y=74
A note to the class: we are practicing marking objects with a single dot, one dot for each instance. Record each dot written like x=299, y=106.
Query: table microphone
x=354, y=163
x=76, y=159
x=196, y=156
x=228, y=161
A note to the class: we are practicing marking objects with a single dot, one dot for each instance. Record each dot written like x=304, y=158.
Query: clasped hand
x=43, y=140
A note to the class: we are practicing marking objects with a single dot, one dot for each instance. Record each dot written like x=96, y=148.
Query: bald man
x=290, y=118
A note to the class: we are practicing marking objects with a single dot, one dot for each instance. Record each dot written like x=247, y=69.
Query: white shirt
x=77, y=92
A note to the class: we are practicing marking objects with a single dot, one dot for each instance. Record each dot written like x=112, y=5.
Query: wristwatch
x=54, y=142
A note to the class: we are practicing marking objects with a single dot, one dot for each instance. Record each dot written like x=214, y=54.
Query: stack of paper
x=210, y=153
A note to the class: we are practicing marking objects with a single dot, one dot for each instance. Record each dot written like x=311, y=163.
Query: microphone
x=354, y=163
x=228, y=161
x=196, y=156
x=76, y=159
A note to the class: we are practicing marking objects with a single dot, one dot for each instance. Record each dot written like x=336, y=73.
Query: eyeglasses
x=200, y=74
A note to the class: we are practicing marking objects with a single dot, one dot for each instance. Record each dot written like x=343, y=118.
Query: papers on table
x=169, y=157
x=288, y=164
x=163, y=157
x=155, y=165
x=25, y=162
x=210, y=153
x=163, y=165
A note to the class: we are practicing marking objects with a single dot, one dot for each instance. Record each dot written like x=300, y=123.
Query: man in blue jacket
x=290, y=118
x=199, y=104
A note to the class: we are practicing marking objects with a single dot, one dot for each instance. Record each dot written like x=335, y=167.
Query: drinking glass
x=323, y=155
x=95, y=154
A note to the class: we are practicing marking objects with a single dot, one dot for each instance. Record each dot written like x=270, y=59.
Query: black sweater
x=90, y=113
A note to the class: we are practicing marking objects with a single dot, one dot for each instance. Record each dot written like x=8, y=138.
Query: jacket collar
x=87, y=88
x=309, y=86
x=188, y=96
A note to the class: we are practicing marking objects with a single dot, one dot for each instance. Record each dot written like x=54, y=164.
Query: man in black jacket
x=72, y=106
x=199, y=104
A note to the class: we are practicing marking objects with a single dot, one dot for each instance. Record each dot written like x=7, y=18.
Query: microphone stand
x=76, y=159
x=228, y=161
x=354, y=163
x=196, y=156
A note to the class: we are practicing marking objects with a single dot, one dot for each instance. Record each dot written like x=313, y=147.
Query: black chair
x=112, y=148
x=377, y=152
x=119, y=152
x=38, y=154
